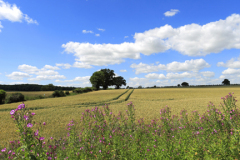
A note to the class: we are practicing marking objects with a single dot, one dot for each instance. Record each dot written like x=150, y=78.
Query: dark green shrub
x=15, y=97
x=62, y=94
x=94, y=88
x=56, y=93
x=40, y=97
x=84, y=90
x=89, y=89
x=2, y=96
x=78, y=90
x=67, y=93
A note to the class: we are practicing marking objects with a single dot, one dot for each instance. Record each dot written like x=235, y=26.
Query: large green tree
x=108, y=78
x=184, y=84
x=119, y=81
x=226, y=82
x=97, y=79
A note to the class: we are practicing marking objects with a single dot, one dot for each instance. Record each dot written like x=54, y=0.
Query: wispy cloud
x=65, y=66
x=85, y=31
x=123, y=70
x=172, y=12
x=101, y=29
x=97, y=35
x=125, y=36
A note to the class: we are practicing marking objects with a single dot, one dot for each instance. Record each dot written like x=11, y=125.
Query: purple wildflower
x=12, y=112
x=29, y=125
x=41, y=138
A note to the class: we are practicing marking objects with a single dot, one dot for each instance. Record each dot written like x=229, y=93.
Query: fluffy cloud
x=13, y=13
x=48, y=72
x=18, y=75
x=85, y=31
x=27, y=68
x=191, y=40
x=101, y=29
x=208, y=74
x=65, y=66
x=51, y=67
x=81, y=65
x=170, y=13
x=123, y=70
x=97, y=35
x=47, y=77
x=188, y=65
x=169, y=76
x=34, y=70
x=230, y=63
x=77, y=79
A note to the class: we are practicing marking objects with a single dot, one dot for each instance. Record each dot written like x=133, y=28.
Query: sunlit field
x=189, y=136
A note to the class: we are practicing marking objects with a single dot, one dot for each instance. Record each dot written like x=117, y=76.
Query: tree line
x=34, y=87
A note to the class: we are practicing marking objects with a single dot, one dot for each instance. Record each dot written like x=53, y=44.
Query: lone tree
x=119, y=81
x=178, y=85
x=226, y=82
x=108, y=78
x=105, y=78
x=185, y=84
x=97, y=79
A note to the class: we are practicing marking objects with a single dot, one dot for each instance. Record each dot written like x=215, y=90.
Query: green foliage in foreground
x=213, y=135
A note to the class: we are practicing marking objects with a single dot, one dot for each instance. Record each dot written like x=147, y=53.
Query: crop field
x=33, y=93
x=57, y=112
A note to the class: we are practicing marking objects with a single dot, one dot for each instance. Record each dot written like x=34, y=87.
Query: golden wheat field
x=57, y=112
x=33, y=93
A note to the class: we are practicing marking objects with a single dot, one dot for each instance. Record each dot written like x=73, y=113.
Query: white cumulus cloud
x=124, y=70
x=51, y=67
x=172, y=12
x=77, y=79
x=47, y=77
x=191, y=40
x=27, y=68
x=65, y=66
x=188, y=65
x=97, y=35
x=18, y=75
x=13, y=13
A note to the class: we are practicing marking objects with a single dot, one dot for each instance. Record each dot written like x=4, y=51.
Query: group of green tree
x=34, y=87
x=184, y=84
x=105, y=78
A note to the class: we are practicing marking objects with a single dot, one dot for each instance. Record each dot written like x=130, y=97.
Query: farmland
x=57, y=112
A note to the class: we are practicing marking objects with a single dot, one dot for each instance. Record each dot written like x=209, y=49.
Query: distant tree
x=119, y=81
x=51, y=87
x=226, y=82
x=97, y=79
x=140, y=87
x=127, y=87
x=154, y=86
x=178, y=85
x=185, y=84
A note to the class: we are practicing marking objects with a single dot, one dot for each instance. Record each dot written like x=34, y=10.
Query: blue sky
x=155, y=42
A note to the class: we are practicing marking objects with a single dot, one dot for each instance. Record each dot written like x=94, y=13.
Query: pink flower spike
x=41, y=138
x=44, y=123
x=29, y=125
x=20, y=107
x=36, y=133
x=3, y=150
x=12, y=112
x=33, y=114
